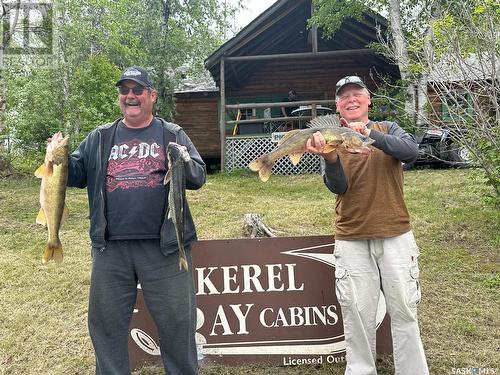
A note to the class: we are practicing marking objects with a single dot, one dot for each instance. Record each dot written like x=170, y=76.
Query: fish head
x=176, y=151
x=357, y=143
x=58, y=148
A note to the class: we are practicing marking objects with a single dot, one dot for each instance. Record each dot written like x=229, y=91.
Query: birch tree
x=93, y=41
x=448, y=53
x=466, y=77
x=408, y=36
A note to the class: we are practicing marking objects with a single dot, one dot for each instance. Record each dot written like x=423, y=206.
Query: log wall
x=198, y=115
x=312, y=79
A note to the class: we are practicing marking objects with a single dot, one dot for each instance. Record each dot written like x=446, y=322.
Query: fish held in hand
x=294, y=142
x=177, y=155
x=54, y=175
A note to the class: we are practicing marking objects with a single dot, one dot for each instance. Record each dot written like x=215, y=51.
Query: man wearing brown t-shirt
x=374, y=246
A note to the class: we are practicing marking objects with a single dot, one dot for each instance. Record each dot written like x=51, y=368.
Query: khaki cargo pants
x=363, y=268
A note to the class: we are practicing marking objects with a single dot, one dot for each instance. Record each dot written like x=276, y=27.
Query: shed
x=461, y=89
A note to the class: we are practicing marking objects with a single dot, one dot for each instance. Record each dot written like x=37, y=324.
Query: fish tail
x=183, y=263
x=53, y=251
x=263, y=165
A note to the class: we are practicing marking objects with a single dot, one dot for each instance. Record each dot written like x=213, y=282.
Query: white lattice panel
x=241, y=151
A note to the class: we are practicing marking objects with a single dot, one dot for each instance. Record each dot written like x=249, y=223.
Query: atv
x=437, y=147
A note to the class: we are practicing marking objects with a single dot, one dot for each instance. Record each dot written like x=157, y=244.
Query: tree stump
x=253, y=226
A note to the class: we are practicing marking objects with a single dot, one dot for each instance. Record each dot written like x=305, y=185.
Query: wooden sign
x=261, y=300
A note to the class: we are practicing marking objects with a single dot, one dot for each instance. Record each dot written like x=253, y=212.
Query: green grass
x=43, y=328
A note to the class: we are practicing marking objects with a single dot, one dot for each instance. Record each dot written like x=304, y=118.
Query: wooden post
x=314, y=36
x=222, y=116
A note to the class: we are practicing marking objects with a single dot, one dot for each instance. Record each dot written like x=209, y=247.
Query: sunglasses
x=137, y=90
x=349, y=79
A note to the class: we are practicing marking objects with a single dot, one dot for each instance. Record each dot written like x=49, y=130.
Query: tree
x=408, y=36
x=93, y=41
x=448, y=52
x=465, y=76
x=179, y=35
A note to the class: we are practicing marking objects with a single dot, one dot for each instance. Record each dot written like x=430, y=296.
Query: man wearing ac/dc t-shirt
x=122, y=165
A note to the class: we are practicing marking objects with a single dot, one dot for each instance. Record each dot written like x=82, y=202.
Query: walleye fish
x=54, y=175
x=177, y=155
x=293, y=143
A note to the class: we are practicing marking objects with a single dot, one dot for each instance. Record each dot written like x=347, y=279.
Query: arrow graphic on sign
x=329, y=259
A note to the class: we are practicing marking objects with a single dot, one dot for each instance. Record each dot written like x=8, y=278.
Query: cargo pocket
x=343, y=288
x=413, y=292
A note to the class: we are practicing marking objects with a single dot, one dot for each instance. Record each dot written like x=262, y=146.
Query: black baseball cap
x=136, y=74
x=347, y=80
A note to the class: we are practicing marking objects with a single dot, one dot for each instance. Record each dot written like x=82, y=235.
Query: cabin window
x=457, y=106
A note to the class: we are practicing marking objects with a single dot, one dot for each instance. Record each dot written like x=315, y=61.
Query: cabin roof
x=472, y=68
x=283, y=29
x=202, y=82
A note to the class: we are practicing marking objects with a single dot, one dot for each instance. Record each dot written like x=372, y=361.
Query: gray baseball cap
x=347, y=80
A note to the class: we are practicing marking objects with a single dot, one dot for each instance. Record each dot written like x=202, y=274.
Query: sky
x=253, y=9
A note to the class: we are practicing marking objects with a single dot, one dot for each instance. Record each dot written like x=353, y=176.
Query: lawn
x=43, y=315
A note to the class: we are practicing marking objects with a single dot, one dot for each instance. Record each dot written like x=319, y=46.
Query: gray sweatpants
x=169, y=296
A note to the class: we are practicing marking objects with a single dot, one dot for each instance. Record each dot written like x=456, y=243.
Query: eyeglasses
x=349, y=79
x=137, y=90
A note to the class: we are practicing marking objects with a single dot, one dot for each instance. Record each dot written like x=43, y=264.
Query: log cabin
x=254, y=71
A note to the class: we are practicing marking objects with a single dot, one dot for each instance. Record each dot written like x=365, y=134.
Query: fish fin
x=287, y=135
x=295, y=158
x=256, y=165
x=65, y=213
x=360, y=150
x=263, y=165
x=330, y=147
x=53, y=252
x=168, y=177
x=330, y=121
x=40, y=218
x=264, y=174
x=40, y=171
x=364, y=150
x=185, y=154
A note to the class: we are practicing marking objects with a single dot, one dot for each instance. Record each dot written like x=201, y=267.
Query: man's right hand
x=316, y=145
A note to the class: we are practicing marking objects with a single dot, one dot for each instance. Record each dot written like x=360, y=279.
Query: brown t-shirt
x=373, y=205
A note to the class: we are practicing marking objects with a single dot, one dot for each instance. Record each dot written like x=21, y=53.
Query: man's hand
x=184, y=153
x=316, y=145
x=357, y=126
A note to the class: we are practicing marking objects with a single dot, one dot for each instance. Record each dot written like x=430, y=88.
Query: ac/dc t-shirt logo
x=134, y=164
x=135, y=194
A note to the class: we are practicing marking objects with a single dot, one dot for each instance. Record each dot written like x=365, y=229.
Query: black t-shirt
x=135, y=194
x=288, y=110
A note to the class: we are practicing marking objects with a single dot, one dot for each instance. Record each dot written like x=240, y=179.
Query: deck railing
x=312, y=103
